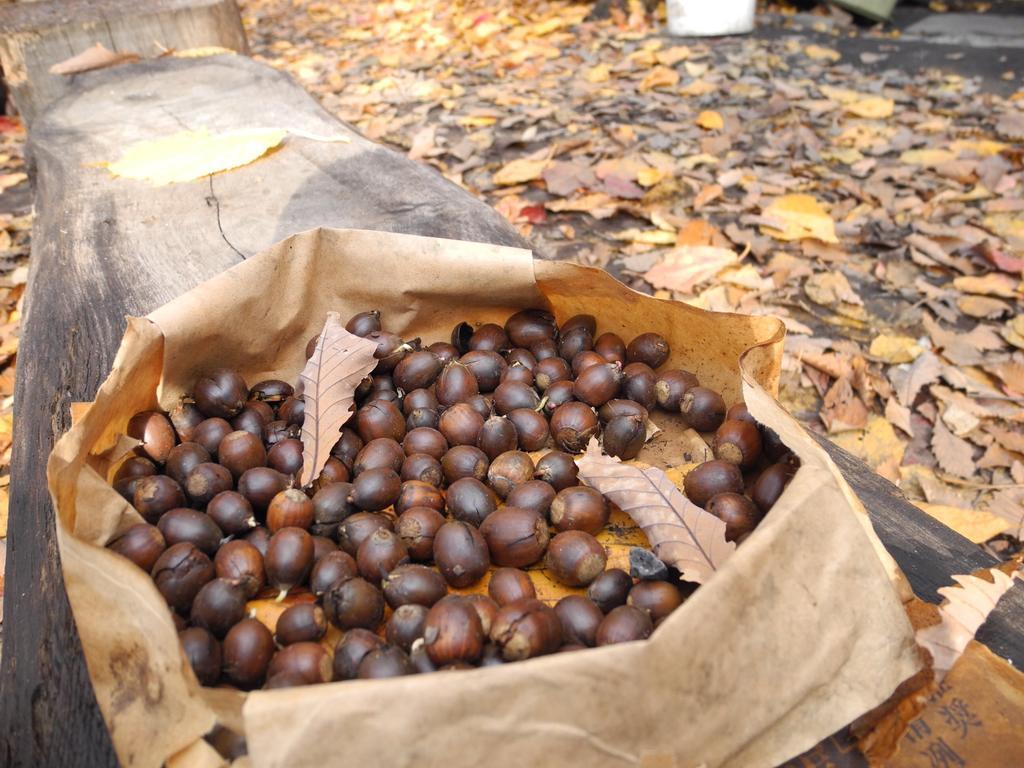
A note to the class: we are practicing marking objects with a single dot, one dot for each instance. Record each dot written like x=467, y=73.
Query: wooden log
x=40, y=34
x=104, y=248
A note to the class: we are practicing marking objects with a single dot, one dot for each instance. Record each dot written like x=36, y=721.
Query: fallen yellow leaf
x=895, y=349
x=977, y=525
x=710, y=120
x=697, y=88
x=648, y=177
x=878, y=444
x=928, y=158
x=686, y=266
x=599, y=74
x=873, y=107
x=992, y=284
x=520, y=171
x=659, y=77
x=794, y=217
x=646, y=236
x=982, y=148
x=820, y=52
x=191, y=155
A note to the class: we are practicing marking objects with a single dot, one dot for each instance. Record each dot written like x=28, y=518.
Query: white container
x=705, y=18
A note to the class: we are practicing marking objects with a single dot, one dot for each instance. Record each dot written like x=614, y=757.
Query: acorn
x=290, y=508
x=575, y=558
x=508, y=470
x=289, y=559
x=218, y=606
x=521, y=356
x=573, y=425
x=390, y=350
x=185, y=417
x=203, y=653
x=517, y=374
x=278, y=430
x=416, y=526
x=670, y=388
x=470, y=501
x=455, y=384
x=559, y=393
x=271, y=391
x=611, y=347
x=576, y=341
x=332, y=504
x=624, y=437
x=259, y=537
x=577, y=322
x=416, y=493
x=260, y=485
x=444, y=351
x=333, y=472
x=525, y=629
x=461, y=553
x=491, y=337
x=417, y=370
x=658, y=598
x=378, y=453
x=586, y=359
x=497, y=436
x=549, y=370
x=380, y=418
x=557, y=469
x=247, y=650
x=482, y=404
x=406, y=625
x=240, y=562
x=364, y=323
x=424, y=468
x=350, y=651
x=156, y=433
x=412, y=583
x=142, y=543
x=322, y=546
x=529, y=326
x=424, y=440
x=133, y=469
x=307, y=661
x=579, y=508
x=461, y=424
x=739, y=442
x=510, y=584
x=711, y=478
x=253, y=418
x=486, y=366
x=615, y=408
x=210, y=432
x=649, y=348
x=739, y=514
x=182, y=524
x=486, y=609
x=452, y=631
x=301, y=623
x=286, y=456
x=544, y=349
x=639, y=383
x=513, y=394
x=221, y=394
x=770, y=484
x=533, y=494
x=329, y=569
x=531, y=429
x=380, y=554
x=205, y=481
x=515, y=537
x=703, y=409
x=232, y=513
x=157, y=494
x=739, y=411
x=580, y=618
x=292, y=411
x=464, y=461
x=354, y=602
x=624, y=624
x=180, y=572
x=348, y=447
x=610, y=589
x=376, y=489
x=355, y=529
x=386, y=661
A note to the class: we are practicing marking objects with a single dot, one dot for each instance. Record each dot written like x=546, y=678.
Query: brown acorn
x=406, y=625
x=292, y=411
x=496, y=436
x=671, y=386
x=461, y=553
x=482, y=404
x=452, y=631
x=739, y=411
x=424, y=440
x=525, y=629
x=486, y=366
x=533, y=494
x=508, y=470
x=575, y=558
x=417, y=527
x=469, y=500
x=353, y=647
x=289, y=559
x=157, y=494
x=185, y=417
x=301, y=623
x=417, y=370
x=183, y=524
x=286, y=456
x=390, y=350
x=711, y=478
x=559, y=393
x=329, y=569
x=355, y=529
x=739, y=442
x=381, y=553
x=517, y=374
x=348, y=447
x=584, y=321
x=260, y=485
x=521, y=356
x=572, y=426
x=490, y=336
x=528, y=326
x=550, y=370
x=221, y=394
x=515, y=537
x=424, y=468
x=241, y=450
x=290, y=509
x=180, y=572
x=354, y=602
x=380, y=418
x=739, y=514
x=613, y=409
x=203, y=653
x=558, y=469
x=209, y=432
x=416, y=493
x=580, y=618
x=639, y=383
x=156, y=433
x=511, y=395
x=376, y=489
x=142, y=543
x=247, y=650
x=412, y=583
x=576, y=341
x=658, y=598
x=510, y=584
x=531, y=428
x=624, y=437
x=232, y=513
x=586, y=359
x=378, y=453
x=132, y=470
x=649, y=348
x=218, y=606
x=253, y=418
x=770, y=484
x=624, y=624
x=332, y=504
x=703, y=409
x=461, y=424
x=307, y=661
x=579, y=508
x=271, y=390
x=464, y=461
x=240, y=562
x=544, y=349
x=364, y=323
x=610, y=589
x=611, y=347
x=485, y=608
x=598, y=384
x=386, y=661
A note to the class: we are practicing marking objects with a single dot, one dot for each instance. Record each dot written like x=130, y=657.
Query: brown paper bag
x=800, y=632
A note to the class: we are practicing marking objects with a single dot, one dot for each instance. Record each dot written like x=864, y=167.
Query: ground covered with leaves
x=880, y=215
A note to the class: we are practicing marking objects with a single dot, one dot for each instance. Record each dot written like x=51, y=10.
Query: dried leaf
x=992, y=284
x=873, y=107
x=955, y=455
x=520, y=171
x=710, y=120
x=203, y=51
x=976, y=525
x=793, y=217
x=659, y=77
x=189, y=155
x=842, y=409
x=681, y=533
x=962, y=616
x=820, y=52
x=831, y=289
x=895, y=349
x=927, y=157
x=908, y=380
x=340, y=361
x=686, y=266
x=96, y=57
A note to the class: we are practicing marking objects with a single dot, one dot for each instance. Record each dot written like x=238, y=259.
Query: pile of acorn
x=432, y=483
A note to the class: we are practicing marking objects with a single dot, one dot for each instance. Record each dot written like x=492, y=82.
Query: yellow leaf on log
x=191, y=155
x=977, y=525
x=710, y=120
x=798, y=216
